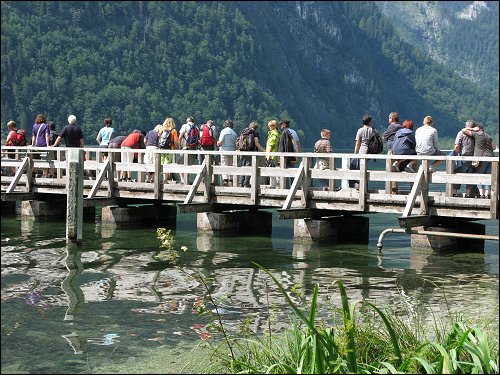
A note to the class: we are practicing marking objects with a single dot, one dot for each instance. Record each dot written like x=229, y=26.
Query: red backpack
x=207, y=138
x=20, y=139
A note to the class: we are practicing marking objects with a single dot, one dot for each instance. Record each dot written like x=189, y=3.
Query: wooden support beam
x=415, y=221
x=188, y=208
x=24, y=166
x=196, y=183
x=99, y=180
x=18, y=196
x=413, y=193
x=294, y=187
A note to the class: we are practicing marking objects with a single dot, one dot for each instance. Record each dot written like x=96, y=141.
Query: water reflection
x=113, y=292
x=75, y=296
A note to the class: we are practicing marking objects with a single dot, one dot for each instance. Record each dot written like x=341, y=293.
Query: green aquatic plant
x=362, y=345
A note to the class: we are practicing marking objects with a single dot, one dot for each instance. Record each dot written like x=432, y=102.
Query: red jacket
x=134, y=140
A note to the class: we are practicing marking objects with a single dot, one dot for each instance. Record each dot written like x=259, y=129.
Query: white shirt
x=183, y=134
x=228, y=139
x=426, y=138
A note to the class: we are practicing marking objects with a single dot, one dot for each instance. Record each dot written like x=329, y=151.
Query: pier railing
x=199, y=180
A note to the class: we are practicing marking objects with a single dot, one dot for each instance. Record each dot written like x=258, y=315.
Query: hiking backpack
x=165, y=140
x=193, y=137
x=207, y=138
x=21, y=136
x=375, y=145
x=52, y=137
x=246, y=140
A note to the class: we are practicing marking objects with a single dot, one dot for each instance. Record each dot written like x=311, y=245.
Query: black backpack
x=375, y=144
x=165, y=140
x=52, y=137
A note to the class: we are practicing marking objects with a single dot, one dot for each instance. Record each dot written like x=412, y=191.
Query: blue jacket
x=404, y=142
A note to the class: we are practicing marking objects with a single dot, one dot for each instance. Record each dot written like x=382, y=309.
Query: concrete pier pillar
x=341, y=229
x=148, y=215
x=215, y=222
x=43, y=209
x=438, y=243
x=314, y=230
x=234, y=222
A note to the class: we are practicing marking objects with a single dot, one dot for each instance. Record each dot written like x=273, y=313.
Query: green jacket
x=273, y=137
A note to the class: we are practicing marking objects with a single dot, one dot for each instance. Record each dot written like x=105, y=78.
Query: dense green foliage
x=322, y=64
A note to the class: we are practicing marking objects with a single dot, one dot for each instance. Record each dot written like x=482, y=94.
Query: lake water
x=111, y=306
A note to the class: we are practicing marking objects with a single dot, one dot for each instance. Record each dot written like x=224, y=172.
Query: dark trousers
x=244, y=161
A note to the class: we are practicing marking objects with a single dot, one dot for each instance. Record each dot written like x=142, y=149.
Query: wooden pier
x=422, y=195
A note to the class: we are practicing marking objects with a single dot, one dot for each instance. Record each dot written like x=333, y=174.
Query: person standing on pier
x=40, y=138
x=483, y=146
x=208, y=139
x=363, y=135
x=71, y=133
x=151, y=141
x=273, y=138
x=134, y=140
x=464, y=146
x=252, y=141
x=227, y=142
x=323, y=146
x=188, y=140
x=104, y=136
x=169, y=140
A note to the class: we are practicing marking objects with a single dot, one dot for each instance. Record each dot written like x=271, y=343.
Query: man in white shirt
x=227, y=142
x=427, y=142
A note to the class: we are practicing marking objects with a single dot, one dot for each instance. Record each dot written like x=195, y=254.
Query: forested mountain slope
x=322, y=64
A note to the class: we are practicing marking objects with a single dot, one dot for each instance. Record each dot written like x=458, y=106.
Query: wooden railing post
x=74, y=188
x=363, y=183
x=158, y=175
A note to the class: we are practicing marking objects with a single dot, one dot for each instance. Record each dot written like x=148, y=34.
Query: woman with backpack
x=168, y=140
x=12, y=141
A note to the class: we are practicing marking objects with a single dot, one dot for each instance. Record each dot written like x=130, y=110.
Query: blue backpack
x=193, y=137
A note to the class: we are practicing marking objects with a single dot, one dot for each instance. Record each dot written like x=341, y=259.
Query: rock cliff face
x=451, y=32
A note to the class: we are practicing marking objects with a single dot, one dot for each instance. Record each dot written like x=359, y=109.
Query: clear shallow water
x=111, y=306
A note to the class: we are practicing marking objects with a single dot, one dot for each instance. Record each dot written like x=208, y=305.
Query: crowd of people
x=401, y=139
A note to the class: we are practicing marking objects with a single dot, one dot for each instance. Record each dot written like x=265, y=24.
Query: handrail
x=302, y=174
